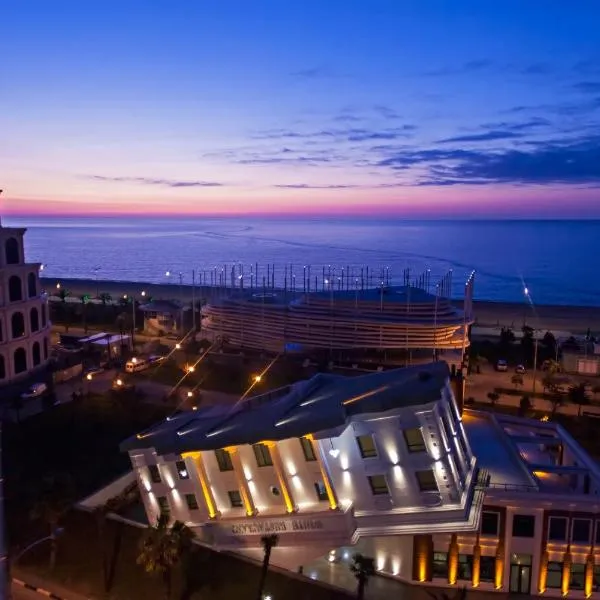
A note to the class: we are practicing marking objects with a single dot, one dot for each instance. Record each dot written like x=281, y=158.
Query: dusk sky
x=410, y=107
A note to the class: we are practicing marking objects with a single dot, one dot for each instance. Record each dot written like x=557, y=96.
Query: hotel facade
x=24, y=322
x=384, y=464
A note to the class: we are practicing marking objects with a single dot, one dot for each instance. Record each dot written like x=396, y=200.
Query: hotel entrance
x=520, y=573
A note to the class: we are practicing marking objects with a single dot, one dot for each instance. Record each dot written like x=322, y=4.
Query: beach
x=573, y=319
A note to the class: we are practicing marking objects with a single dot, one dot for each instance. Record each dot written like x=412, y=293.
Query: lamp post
x=168, y=274
x=535, y=342
x=96, y=269
x=143, y=294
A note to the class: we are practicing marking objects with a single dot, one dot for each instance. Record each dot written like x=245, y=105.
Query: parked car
x=501, y=365
x=154, y=358
x=520, y=370
x=35, y=391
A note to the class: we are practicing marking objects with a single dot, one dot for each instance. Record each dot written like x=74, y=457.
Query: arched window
x=12, y=251
x=17, y=325
x=36, y=354
x=2, y=367
x=31, y=285
x=45, y=348
x=20, y=360
x=44, y=315
x=34, y=319
x=15, y=289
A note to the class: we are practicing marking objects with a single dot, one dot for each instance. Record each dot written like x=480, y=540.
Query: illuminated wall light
x=247, y=474
x=499, y=574
x=331, y=558
x=346, y=555
x=146, y=483
x=297, y=482
x=476, y=564
x=543, y=572
x=393, y=455
x=380, y=563
x=344, y=463
x=291, y=467
x=453, y=560
x=347, y=478
x=252, y=487
x=169, y=480
x=395, y=566
x=588, y=586
x=566, y=578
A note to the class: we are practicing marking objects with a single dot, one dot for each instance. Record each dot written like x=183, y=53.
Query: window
x=597, y=578
x=577, y=576
x=17, y=323
x=163, y=505
x=235, y=499
x=182, y=469
x=487, y=569
x=378, y=485
x=523, y=526
x=263, y=455
x=366, y=445
x=414, y=440
x=581, y=531
x=307, y=449
x=224, y=460
x=20, y=360
x=557, y=529
x=426, y=481
x=321, y=491
x=34, y=319
x=154, y=472
x=43, y=315
x=31, y=285
x=554, y=577
x=11, y=248
x=490, y=523
x=440, y=565
x=36, y=354
x=191, y=501
x=597, y=533
x=465, y=567
x=2, y=367
x=15, y=290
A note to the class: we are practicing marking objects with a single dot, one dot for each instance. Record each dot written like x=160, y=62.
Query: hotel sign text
x=282, y=526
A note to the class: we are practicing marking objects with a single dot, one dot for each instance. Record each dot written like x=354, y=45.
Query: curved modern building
x=385, y=318
x=24, y=323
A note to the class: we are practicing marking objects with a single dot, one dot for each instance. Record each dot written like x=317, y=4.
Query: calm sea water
x=556, y=260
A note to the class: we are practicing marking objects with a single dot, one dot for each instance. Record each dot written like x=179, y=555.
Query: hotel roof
x=319, y=404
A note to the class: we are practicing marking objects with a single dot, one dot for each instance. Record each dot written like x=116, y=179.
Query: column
x=331, y=495
x=288, y=497
x=422, y=557
x=499, y=575
x=209, y=498
x=589, y=574
x=566, y=575
x=476, y=563
x=543, y=571
x=242, y=482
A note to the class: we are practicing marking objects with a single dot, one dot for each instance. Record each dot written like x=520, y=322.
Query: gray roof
x=161, y=306
x=320, y=404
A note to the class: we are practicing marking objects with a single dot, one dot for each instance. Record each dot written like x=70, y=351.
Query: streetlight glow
x=89, y=376
x=190, y=394
x=177, y=346
x=257, y=378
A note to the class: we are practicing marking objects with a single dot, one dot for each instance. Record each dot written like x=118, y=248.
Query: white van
x=136, y=364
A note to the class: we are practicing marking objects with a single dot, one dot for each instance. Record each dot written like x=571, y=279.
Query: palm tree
x=268, y=542
x=577, y=395
x=52, y=503
x=163, y=547
x=493, y=398
x=362, y=567
x=517, y=380
x=105, y=298
x=84, y=302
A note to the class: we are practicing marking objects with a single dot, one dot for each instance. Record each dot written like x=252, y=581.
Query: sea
x=557, y=261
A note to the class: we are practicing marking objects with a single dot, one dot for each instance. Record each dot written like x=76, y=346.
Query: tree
x=493, y=398
x=577, y=395
x=551, y=366
x=105, y=298
x=268, y=543
x=557, y=399
x=517, y=380
x=550, y=383
x=507, y=337
x=525, y=405
x=163, y=547
x=527, y=338
x=363, y=567
x=549, y=341
x=53, y=500
x=85, y=298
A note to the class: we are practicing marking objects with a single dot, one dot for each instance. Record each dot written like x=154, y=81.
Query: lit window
x=554, y=576
x=366, y=445
x=154, y=474
x=224, y=460
x=426, y=481
x=378, y=485
x=490, y=523
x=414, y=440
x=163, y=505
x=523, y=526
x=235, y=499
x=263, y=455
x=581, y=530
x=440, y=565
x=465, y=567
x=577, y=576
x=307, y=449
x=182, y=469
x=557, y=529
x=321, y=491
x=192, y=502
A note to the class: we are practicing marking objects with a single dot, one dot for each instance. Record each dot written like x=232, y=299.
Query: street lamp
x=168, y=274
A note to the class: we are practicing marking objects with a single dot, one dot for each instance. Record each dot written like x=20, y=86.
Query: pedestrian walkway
x=25, y=580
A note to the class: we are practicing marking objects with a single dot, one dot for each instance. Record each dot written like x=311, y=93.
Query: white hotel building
x=386, y=465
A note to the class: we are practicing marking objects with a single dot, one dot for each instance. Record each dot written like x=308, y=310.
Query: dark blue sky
x=415, y=107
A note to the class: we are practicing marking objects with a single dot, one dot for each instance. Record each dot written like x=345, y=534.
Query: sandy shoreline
x=575, y=319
